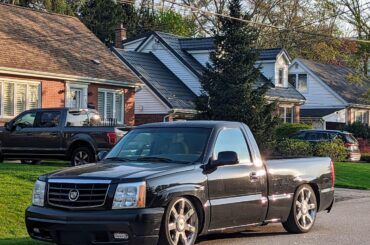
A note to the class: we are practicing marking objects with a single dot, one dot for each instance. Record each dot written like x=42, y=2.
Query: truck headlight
x=130, y=195
x=38, y=195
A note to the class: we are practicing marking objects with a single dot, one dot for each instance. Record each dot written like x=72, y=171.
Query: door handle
x=53, y=134
x=29, y=134
x=253, y=176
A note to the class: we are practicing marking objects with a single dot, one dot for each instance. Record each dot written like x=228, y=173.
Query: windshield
x=180, y=145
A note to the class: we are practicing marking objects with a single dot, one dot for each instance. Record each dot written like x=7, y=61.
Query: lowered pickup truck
x=56, y=133
x=168, y=183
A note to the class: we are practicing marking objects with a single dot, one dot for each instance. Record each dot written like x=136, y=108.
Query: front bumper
x=94, y=227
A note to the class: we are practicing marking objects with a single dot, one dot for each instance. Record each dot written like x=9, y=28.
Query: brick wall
x=129, y=96
x=52, y=94
x=148, y=118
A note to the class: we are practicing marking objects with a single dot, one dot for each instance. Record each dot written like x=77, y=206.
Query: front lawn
x=353, y=175
x=16, y=184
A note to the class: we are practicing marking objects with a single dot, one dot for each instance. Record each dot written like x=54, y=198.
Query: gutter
x=39, y=74
x=359, y=106
x=301, y=102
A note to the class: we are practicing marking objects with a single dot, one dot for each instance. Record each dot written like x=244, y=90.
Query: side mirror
x=226, y=158
x=8, y=126
x=101, y=155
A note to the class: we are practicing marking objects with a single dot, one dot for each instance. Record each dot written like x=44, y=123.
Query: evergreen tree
x=229, y=82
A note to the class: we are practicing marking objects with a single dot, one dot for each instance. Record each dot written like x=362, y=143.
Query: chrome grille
x=89, y=194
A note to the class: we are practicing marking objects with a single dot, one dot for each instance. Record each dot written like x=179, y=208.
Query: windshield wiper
x=119, y=159
x=158, y=159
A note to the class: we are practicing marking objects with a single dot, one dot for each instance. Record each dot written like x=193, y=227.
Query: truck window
x=25, y=121
x=232, y=139
x=48, y=119
x=79, y=119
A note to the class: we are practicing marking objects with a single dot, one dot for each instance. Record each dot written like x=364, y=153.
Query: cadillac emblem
x=73, y=195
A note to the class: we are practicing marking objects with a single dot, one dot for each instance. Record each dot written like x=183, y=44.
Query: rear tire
x=30, y=162
x=180, y=223
x=81, y=156
x=303, y=212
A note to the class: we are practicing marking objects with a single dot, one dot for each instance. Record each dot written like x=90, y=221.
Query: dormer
x=274, y=65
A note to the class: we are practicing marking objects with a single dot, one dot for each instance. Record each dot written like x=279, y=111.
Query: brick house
x=171, y=66
x=52, y=60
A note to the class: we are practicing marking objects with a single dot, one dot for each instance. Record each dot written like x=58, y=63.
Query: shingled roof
x=49, y=43
x=337, y=78
x=160, y=79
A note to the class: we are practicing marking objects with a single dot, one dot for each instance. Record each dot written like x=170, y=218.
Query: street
x=348, y=223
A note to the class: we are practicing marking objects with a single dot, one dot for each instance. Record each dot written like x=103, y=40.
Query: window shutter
x=8, y=99
x=33, y=96
x=20, y=99
x=101, y=104
x=110, y=103
x=119, y=107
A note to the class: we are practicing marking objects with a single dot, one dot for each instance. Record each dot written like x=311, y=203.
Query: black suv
x=349, y=140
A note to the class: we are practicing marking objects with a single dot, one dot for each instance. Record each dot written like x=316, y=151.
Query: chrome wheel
x=305, y=208
x=81, y=158
x=182, y=223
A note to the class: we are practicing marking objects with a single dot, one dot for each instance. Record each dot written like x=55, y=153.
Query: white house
x=333, y=99
x=171, y=67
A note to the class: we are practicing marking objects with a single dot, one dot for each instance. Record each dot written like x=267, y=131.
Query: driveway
x=348, y=223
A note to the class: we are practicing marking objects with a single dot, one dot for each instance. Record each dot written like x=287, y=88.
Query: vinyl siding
x=202, y=57
x=148, y=103
x=131, y=46
x=172, y=63
x=317, y=95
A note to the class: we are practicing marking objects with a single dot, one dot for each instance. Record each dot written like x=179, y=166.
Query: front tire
x=180, y=223
x=303, y=212
x=81, y=156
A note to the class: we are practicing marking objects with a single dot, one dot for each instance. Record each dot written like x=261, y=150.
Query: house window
x=286, y=114
x=299, y=81
x=16, y=97
x=110, y=105
x=281, y=76
x=362, y=117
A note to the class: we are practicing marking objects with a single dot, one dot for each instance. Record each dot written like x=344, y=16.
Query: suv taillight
x=112, y=138
x=332, y=169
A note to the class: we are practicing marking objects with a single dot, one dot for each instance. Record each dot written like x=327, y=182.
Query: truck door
x=18, y=139
x=47, y=133
x=234, y=191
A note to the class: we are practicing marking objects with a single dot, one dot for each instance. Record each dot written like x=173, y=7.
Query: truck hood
x=125, y=170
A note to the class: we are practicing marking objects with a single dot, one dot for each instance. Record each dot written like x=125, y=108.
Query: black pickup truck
x=168, y=183
x=56, y=133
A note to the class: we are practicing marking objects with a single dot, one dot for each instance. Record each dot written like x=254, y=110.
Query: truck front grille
x=81, y=195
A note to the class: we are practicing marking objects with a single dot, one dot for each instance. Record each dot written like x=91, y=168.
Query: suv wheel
x=81, y=156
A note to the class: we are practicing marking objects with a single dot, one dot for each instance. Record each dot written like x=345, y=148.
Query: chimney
x=120, y=35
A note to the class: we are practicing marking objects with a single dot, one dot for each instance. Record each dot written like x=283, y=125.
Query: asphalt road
x=347, y=223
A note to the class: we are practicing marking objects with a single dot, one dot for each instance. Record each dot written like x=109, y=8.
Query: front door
x=76, y=98
x=234, y=192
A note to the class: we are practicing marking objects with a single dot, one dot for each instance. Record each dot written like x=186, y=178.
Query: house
x=53, y=60
x=171, y=67
x=334, y=95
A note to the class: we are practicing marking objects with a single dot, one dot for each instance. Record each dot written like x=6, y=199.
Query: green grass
x=16, y=184
x=353, y=175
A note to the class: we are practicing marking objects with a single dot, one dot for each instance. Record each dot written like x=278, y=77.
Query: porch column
x=297, y=113
x=349, y=116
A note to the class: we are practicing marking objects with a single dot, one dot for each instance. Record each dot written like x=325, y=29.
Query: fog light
x=120, y=236
x=36, y=230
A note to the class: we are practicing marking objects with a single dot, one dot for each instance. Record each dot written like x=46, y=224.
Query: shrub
x=294, y=148
x=359, y=130
x=286, y=130
x=333, y=149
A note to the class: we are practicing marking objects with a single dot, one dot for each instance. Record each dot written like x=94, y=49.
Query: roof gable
x=336, y=79
x=55, y=44
x=160, y=79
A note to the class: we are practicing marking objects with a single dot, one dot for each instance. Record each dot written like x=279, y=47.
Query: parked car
x=348, y=139
x=168, y=183
x=57, y=133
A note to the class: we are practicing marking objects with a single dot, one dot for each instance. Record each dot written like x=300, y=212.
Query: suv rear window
x=349, y=138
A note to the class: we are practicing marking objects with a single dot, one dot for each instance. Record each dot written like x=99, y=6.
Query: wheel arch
x=79, y=143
